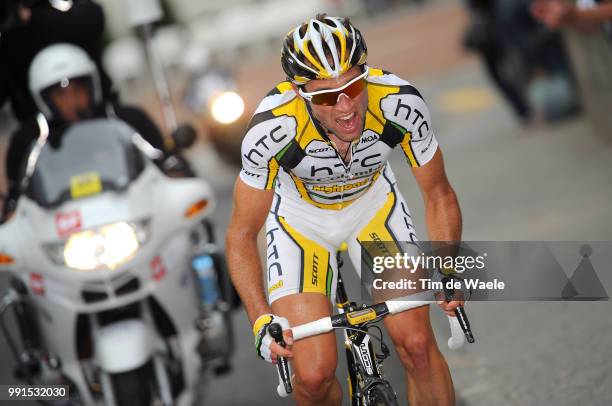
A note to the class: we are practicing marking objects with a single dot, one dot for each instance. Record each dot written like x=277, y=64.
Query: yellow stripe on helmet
x=344, y=62
x=322, y=73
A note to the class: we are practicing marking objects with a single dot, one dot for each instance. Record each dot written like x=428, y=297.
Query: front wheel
x=381, y=395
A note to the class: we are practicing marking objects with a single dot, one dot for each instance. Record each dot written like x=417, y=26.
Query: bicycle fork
x=363, y=364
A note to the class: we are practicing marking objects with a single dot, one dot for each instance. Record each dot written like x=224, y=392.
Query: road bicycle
x=366, y=381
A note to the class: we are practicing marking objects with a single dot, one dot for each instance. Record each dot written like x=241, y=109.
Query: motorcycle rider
x=65, y=85
x=28, y=26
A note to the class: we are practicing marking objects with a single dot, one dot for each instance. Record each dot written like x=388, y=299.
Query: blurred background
x=521, y=111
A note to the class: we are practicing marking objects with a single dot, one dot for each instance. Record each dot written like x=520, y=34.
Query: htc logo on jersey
x=262, y=143
x=398, y=109
x=365, y=162
x=327, y=169
x=268, y=141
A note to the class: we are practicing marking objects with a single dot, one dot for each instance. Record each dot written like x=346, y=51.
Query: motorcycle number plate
x=85, y=184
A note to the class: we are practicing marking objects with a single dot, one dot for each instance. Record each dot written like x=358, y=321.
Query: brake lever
x=459, y=311
x=276, y=331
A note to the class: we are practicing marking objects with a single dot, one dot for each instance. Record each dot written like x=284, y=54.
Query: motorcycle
x=106, y=299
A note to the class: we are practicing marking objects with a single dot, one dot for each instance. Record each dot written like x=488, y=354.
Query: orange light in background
x=196, y=208
x=6, y=259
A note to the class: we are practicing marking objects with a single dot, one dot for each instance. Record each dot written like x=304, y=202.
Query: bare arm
x=251, y=208
x=442, y=212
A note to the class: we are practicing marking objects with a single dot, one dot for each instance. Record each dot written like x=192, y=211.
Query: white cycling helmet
x=322, y=48
x=58, y=64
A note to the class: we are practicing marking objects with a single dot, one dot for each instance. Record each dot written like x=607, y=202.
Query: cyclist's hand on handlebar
x=449, y=307
x=267, y=349
x=278, y=350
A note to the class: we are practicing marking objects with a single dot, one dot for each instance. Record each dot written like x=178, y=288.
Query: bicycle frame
x=364, y=368
x=363, y=365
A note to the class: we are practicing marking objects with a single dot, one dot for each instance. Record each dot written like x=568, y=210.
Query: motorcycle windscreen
x=87, y=159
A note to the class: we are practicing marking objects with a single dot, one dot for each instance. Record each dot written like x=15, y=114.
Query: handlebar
x=459, y=326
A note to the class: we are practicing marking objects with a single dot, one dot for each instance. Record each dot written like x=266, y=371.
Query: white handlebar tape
x=398, y=306
x=313, y=328
x=280, y=389
x=457, y=338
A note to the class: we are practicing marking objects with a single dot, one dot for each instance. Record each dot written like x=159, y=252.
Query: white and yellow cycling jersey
x=286, y=150
x=321, y=202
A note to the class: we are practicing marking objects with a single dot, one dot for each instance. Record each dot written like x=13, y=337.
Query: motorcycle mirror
x=184, y=136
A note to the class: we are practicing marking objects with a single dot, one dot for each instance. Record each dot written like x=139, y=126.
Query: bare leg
x=428, y=377
x=315, y=358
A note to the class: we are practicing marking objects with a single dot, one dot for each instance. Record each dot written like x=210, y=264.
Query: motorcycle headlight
x=108, y=246
x=227, y=107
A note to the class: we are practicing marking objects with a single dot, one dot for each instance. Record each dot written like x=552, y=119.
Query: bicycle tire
x=381, y=395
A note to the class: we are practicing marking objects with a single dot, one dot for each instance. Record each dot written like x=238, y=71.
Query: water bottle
x=205, y=269
x=214, y=342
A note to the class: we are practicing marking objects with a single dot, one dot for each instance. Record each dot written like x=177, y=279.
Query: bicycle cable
x=365, y=331
x=383, y=347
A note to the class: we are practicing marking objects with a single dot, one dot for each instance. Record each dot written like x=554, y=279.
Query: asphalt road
x=544, y=183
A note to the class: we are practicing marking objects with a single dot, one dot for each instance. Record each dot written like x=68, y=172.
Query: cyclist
x=315, y=171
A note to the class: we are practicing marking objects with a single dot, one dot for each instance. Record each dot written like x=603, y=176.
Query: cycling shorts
x=302, y=240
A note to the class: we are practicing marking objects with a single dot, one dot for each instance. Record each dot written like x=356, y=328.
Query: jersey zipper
x=347, y=168
x=346, y=176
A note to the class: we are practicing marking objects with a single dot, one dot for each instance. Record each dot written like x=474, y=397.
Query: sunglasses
x=329, y=97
